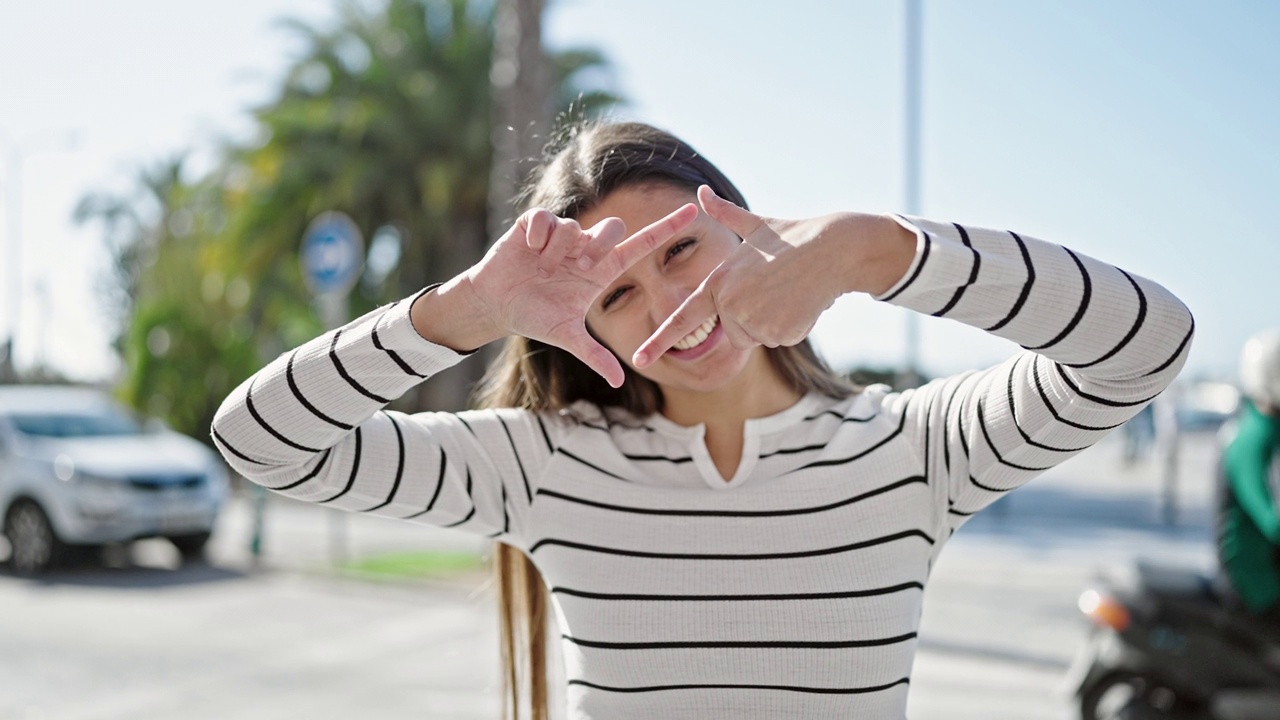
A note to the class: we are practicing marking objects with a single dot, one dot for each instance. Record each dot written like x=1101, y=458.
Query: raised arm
x=312, y=423
x=1100, y=342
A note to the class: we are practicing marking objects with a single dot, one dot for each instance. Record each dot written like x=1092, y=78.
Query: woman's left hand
x=785, y=273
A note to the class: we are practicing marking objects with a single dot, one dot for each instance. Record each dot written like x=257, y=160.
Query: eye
x=680, y=247
x=612, y=298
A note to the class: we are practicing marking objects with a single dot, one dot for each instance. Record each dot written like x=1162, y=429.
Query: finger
x=563, y=239
x=743, y=222
x=629, y=251
x=594, y=355
x=537, y=224
x=694, y=311
x=602, y=238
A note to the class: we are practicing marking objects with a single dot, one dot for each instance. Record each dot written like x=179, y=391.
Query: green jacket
x=1249, y=524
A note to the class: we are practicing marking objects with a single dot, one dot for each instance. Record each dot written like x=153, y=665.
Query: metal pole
x=14, y=235
x=911, y=160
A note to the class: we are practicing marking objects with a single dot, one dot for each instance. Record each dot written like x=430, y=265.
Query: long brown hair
x=587, y=163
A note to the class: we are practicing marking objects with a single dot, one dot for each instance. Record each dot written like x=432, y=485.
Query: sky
x=1143, y=133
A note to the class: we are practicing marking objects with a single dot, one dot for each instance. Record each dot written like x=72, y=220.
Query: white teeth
x=698, y=336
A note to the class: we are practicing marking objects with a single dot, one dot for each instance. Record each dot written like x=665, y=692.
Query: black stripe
x=964, y=440
x=754, y=644
x=248, y=403
x=355, y=468
x=731, y=513
x=982, y=423
x=1026, y=286
x=722, y=556
x=924, y=256
x=843, y=419
x=542, y=426
x=961, y=513
x=1013, y=412
x=973, y=274
x=315, y=471
x=399, y=466
x=795, y=450
x=506, y=517
x=1176, y=353
x=664, y=458
x=223, y=442
x=783, y=688
x=377, y=342
x=1137, y=325
x=444, y=463
x=1086, y=296
x=1062, y=372
x=989, y=488
x=473, y=504
x=1044, y=396
x=297, y=393
x=571, y=456
x=823, y=463
x=528, y=493
x=333, y=355
x=741, y=598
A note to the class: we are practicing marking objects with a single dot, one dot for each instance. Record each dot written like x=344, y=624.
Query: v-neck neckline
x=694, y=437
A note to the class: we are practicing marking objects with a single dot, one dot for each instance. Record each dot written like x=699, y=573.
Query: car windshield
x=74, y=425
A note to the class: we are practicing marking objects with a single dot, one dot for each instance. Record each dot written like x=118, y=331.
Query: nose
x=668, y=297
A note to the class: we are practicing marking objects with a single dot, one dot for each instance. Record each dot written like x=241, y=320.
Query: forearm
x=1098, y=322
x=308, y=400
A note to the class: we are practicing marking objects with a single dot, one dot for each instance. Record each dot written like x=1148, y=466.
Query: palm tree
x=385, y=116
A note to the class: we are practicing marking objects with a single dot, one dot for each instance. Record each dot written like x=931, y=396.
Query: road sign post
x=332, y=258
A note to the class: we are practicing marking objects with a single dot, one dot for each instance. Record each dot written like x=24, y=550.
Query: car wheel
x=191, y=546
x=34, y=546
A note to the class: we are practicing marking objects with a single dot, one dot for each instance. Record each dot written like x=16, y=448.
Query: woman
x=726, y=528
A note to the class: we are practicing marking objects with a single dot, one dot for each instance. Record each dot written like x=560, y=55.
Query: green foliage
x=384, y=116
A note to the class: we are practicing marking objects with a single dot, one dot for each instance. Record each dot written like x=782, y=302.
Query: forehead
x=638, y=205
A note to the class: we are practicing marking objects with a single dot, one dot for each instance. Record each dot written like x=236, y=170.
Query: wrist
x=451, y=315
x=877, y=252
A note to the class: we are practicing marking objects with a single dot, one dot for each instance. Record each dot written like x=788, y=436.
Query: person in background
x=1249, y=508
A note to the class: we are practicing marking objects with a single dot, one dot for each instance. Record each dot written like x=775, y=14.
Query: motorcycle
x=1164, y=645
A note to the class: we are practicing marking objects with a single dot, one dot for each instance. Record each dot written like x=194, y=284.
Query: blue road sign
x=332, y=254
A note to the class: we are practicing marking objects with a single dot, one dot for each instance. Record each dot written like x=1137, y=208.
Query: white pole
x=911, y=160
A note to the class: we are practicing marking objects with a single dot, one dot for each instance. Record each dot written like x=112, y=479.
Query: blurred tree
x=385, y=116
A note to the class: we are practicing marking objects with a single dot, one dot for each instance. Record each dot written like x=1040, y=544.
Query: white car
x=77, y=471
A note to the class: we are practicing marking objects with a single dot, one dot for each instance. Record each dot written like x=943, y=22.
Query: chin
x=704, y=377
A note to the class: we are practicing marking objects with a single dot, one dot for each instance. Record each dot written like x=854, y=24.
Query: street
x=146, y=638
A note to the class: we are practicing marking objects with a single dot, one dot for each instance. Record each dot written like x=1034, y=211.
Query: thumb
x=743, y=222
x=594, y=355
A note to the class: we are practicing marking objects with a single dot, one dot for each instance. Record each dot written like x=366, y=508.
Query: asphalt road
x=145, y=638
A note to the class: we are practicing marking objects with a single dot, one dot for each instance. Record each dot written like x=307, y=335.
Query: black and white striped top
x=794, y=588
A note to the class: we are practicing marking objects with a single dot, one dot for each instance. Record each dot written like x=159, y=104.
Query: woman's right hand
x=539, y=279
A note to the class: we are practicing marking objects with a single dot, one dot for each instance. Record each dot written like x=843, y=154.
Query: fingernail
x=584, y=262
x=640, y=359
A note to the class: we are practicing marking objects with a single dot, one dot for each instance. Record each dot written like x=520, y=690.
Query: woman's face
x=633, y=306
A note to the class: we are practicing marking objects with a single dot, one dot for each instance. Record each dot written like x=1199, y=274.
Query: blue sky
x=1143, y=133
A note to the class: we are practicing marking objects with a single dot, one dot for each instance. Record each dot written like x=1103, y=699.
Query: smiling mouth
x=699, y=335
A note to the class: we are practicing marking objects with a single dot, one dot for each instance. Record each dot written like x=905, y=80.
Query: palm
x=552, y=307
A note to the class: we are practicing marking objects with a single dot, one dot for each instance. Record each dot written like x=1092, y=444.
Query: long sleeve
x=1099, y=343
x=312, y=425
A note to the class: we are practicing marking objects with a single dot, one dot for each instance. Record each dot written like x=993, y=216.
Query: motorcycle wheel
x=1113, y=697
x=1127, y=696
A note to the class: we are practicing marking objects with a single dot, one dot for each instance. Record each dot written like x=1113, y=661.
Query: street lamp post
x=15, y=157
x=911, y=161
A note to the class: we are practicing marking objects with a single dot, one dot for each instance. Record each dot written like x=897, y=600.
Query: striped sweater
x=793, y=589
